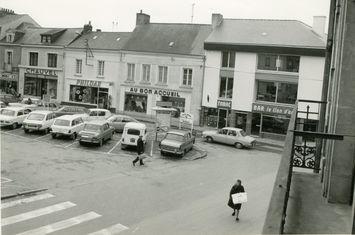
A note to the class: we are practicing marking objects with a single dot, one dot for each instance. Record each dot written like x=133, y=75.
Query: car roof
x=96, y=122
x=69, y=117
x=135, y=125
x=177, y=132
x=15, y=108
x=96, y=109
x=65, y=106
x=42, y=111
x=232, y=128
x=120, y=115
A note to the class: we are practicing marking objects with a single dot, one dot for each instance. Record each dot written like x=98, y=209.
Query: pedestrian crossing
x=56, y=226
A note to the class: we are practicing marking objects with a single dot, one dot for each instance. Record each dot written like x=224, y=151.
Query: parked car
x=177, y=142
x=2, y=104
x=67, y=125
x=39, y=120
x=70, y=110
x=96, y=131
x=119, y=121
x=8, y=98
x=231, y=136
x=131, y=132
x=43, y=105
x=102, y=114
x=13, y=116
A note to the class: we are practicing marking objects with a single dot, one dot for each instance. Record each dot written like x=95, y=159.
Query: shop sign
x=224, y=104
x=186, y=117
x=46, y=72
x=90, y=83
x=272, y=109
x=162, y=92
x=8, y=77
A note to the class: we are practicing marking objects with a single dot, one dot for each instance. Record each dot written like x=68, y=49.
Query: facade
x=255, y=71
x=162, y=66
x=93, y=67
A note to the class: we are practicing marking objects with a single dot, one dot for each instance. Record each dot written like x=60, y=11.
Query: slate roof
x=10, y=18
x=158, y=37
x=261, y=32
x=102, y=40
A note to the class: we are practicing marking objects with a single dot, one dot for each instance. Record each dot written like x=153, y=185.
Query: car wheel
x=54, y=135
x=238, y=145
x=162, y=153
x=74, y=135
x=209, y=139
x=14, y=125
x=25, y=130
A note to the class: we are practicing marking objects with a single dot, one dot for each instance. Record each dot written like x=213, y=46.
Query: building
x=12, y=28
x=92, y=68
x=163, y=66
x=41, y=72
x=256, y=70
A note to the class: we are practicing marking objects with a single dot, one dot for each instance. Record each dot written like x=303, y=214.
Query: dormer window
x=10, y=37
x=46, y=38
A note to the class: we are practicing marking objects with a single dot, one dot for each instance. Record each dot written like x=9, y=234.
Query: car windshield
x=242, y=132
x=171, y=136
x=133, y=132
x=91, y=127
x=7, y=112
x=61, y=122
x=36, y=116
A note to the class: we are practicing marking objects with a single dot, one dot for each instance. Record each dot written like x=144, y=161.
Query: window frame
x=189, y=76
x=100, y=68
x=29, y=58
x=278, y=64
x=131, y=72
x=56, y=59
x=276, y=84
x=76, y=66
x=7, y=58
x=226, y=87
x=166, y=73
x=144, y=73
x=229, y=65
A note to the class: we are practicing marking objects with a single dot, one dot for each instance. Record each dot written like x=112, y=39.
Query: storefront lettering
x=272, y=109
x=41, y=71
x=160, y=92
x=224, y=104
x=89, y=83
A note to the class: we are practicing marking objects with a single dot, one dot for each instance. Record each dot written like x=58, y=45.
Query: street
x=94, y=189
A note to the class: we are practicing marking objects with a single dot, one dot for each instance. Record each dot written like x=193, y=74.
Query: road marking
x=26, y=200
x=118, y=142
x=62, y=224
x=36, y=213
x=42, y=136
x=5, y=180
x=67, y=146
x=114, y=229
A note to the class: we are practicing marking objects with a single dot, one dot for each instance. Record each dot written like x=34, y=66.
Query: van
x=68, y=125
x=131, y=132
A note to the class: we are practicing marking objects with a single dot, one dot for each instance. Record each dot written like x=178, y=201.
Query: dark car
x=96, y=131
x=70, y=110
x=8, y=98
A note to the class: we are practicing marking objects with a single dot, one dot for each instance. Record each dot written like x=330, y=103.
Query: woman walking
x=237, y=188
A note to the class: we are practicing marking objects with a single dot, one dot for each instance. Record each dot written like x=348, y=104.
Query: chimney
x=142, y=18
x=217, y=19
x=87, y=28
x=319, y=25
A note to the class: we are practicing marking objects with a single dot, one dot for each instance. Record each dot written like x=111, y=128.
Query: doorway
x=222, y=118
x=103, y=98
x=255, y=123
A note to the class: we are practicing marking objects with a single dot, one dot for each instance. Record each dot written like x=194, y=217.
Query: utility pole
x=192, y=12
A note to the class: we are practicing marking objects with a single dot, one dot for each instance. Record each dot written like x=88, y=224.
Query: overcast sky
x=74, y=13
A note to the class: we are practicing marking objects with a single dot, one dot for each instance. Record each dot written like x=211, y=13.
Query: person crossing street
x=140, y=151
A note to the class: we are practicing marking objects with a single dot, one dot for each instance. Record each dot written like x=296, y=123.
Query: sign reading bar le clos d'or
x=272, y=109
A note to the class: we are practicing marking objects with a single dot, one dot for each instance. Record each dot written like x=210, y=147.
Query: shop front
x=269, y=120
x=218, y=117
x=40, y=82
x=9, y=83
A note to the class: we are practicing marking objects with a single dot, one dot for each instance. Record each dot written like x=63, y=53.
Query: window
x=9, y=38
x=279, y=92
x=46, y=39
x=52, y=60
x=135, y=103
x=130, y=71
x=187, y=77
x=228, y=59
x=146, y=72
x=101, y=68
x=226, y=87
x=8, y=57
x=275, y=125
x=278, y=62
x=163, y=75
x=78, y=66
x=33, y=59
x=133, y=132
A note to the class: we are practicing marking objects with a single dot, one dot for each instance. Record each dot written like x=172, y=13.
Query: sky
x=102, y=13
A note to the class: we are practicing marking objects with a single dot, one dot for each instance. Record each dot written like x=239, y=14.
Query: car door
x=221, y=135
x=232, y=137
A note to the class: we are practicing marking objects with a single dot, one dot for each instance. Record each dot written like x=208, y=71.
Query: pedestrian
x=236, y=188
x=140, y=151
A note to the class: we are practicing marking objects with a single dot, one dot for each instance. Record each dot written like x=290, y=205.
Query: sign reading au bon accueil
x=272, y=109
x=155, y=91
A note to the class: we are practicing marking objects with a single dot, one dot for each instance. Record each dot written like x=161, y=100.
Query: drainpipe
x=203, y=82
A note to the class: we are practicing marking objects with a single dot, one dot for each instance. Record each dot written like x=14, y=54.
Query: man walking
x=140, y=151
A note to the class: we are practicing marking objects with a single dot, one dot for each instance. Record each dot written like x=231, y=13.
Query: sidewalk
x=309, y=213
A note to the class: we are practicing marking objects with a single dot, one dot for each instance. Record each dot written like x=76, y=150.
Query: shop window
x=101, y=68
x=83, y=94
x=135, y=103
x=78, y=66
x=130, y=72
x=278, y=62
x=177, y=103
x=40, y=87
x=279, y=92
x=33, y=59
x=211, y=117
x=226, y=87
x=8, y=57
x=146, y=73
x=274, y=125
x=163, y=75
x=52, y=60
x=228, y=59
x=187, y=77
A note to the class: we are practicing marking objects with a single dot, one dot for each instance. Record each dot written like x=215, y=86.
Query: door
x=256, y=124
x=103, y=98
x=232, y=137
x=221, y=136
x=222, y=118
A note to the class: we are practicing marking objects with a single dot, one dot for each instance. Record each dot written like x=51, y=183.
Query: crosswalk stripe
x=61, y=224
x=114, y=229
x=36, y=213
x=26, y=200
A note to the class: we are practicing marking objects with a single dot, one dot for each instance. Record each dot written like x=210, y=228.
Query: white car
x=39, y=120
x=13, y=116
x=131, y=132
x=101, y=114
x=67, y=125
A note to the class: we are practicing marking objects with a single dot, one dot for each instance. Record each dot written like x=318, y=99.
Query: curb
x=23, y=193
x=202, y=152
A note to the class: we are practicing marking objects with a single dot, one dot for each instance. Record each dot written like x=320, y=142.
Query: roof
x=42, y=111
x=169, y=38
x=96, y=122
x=70, y=117
x=5, y=19
x=98, y=109
x=135, y=125
x=232, y=128
x=261, y=32
x=178, y=132
x=14, y=108
x=102, y=40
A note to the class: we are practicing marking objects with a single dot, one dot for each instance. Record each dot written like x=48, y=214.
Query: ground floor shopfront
x=9, y=83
